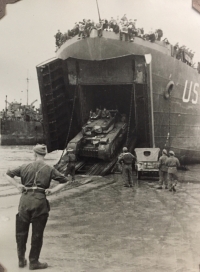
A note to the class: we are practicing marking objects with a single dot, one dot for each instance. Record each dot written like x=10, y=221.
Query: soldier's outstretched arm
x=55, y=189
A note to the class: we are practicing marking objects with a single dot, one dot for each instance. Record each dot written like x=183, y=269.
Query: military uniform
x=70, y=159
x=105, y=114
x=33, y=207
x=58, y=37
x=97, y=113
x=163, y=169
x=127, y=159
x=172, y=163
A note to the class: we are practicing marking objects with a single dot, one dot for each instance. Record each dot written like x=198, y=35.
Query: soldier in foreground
x=172, y=163
x=163, y=169
x=33, y=207
x=126, y=159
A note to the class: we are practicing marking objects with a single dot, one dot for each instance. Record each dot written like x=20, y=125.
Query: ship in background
x=158, y=92
x=21, y=124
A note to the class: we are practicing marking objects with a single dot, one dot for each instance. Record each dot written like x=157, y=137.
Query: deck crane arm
x=33, y=102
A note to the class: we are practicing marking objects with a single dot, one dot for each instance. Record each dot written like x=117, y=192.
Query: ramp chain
x=70, y=124
x=168, y=143
x=130, y=111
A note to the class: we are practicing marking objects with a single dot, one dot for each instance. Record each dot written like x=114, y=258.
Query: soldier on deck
x=58, y=37
x=70, y=159
x=81, y=30
x=163, y=170
x=126, y=159
x=99, y=28
x=124, y=18
x=172, y=163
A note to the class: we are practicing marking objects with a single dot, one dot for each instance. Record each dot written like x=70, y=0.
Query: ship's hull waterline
x=14, y=132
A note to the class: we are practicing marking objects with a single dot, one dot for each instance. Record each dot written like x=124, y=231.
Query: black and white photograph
x=100, y=135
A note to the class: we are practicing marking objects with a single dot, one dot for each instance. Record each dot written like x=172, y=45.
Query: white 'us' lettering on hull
x=187, y=94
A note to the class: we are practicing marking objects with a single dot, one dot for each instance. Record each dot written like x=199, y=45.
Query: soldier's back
x=128, y=158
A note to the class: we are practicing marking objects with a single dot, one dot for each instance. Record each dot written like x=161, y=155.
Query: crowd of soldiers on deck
x=184, y=54
x=126, y=27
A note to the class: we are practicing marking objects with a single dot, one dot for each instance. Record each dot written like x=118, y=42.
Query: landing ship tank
x=152, y=81
x=100, y=138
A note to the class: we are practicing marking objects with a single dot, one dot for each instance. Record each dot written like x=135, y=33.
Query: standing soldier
x=126, y=159
x=58, y=37
x=163, y=170
x=172, y=162
x=33, y=207
x=70, y=159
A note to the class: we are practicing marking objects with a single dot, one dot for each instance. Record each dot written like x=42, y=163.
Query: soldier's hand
x=48, y=191
x=21, y=187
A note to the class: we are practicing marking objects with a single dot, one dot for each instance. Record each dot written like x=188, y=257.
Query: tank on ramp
x=101, y=137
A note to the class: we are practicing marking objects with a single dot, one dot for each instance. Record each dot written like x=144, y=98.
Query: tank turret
x=101, y=136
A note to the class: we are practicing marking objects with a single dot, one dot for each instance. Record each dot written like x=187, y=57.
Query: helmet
x=171, y=153
x=125, y=149
x=164, y=151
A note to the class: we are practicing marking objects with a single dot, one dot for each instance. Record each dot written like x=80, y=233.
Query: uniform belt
x=172, y=166
x=34, y=189
x=128, y=163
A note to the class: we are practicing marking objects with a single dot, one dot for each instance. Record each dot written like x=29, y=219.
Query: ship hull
x=15, y=132
x=175, y=119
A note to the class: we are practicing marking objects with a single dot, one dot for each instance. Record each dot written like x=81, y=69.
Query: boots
x=22, y=263
x=37, y=265
x=172, y=188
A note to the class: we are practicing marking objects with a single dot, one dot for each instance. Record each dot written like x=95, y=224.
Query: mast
x=6, y=105
x=98, y=11
x=27, y=89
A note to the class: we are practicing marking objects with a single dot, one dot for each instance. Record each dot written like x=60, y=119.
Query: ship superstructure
x=21, y=124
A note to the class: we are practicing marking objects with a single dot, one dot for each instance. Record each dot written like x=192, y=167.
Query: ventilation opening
x=147, y=153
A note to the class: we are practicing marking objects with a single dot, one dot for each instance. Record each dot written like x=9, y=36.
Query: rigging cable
x=98, y=11
x=130, y=111
x=72, y=114
x=167, y=143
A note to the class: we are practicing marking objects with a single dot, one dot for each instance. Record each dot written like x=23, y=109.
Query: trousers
x=163, y=178
x=127, y=174
x=173, y=179
x=22, y=230
x=33, y=209
x=70, y=170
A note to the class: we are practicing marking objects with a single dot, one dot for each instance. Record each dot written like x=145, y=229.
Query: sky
x=27, y=33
